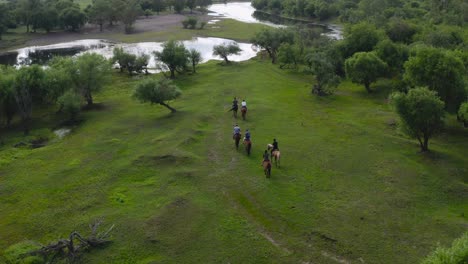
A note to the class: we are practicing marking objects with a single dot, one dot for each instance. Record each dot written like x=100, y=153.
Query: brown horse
x=237, y=138
x=248, y=146
x=276, y=155
x=244, y=112
x=234, y=112
x=267, y=168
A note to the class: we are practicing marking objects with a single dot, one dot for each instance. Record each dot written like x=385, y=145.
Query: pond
x=244, y=12
x=42, y=54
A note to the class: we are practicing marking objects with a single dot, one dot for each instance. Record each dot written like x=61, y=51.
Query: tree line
x=51, y=15
x=425, y=64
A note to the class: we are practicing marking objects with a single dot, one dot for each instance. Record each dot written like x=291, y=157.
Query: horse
x=248, y=146
x=267, y=168
x=234, y=111
x=244, y=112
x=276, y=155
x=237, y=138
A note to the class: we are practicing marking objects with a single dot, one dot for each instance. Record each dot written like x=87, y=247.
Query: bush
x=457, y=254
x=192, y=21
x=185, y=23
x=70, y=103
x=463, y=114
x=202, y=24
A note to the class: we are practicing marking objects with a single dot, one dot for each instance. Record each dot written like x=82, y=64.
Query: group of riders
x=237, y=132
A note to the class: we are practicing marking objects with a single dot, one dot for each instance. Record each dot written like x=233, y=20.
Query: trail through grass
x=351, y=187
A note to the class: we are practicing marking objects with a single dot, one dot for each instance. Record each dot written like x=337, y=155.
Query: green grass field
x=351, y=189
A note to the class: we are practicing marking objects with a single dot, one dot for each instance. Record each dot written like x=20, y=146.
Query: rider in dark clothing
x=235, y=105
x=266, y=156
x=275, y=146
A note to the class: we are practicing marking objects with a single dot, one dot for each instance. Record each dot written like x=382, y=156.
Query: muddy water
x=42, y=54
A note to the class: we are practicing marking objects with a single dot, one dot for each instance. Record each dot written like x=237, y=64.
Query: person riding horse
x=275, y=146
x=244, y=104
x=247, y=135
x=266, y=157
x=237, y=131
x=235, y=105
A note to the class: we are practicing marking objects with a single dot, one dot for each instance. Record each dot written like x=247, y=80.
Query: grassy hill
x=351, y=189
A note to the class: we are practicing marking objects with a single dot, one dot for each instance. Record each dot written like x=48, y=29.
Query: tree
x=440, y=71
x=360, y=37
x=48, y=18
x=91, y=73
x=323, y=70
x=463, y=113
x=174, y=56
x=159, y=6
x=72, y=18
x=191, y=4
x=99, y=13
x=179, y=6
x=421, y=112
x=129, y=14
x=8, y=106
x=3, y=19
x=148, y=13
x=141, y=63
x=226, y=49
x=28, y=87
x=271, y=40
x=289, y=55
x=364, y=68
x=393, y=54
x=194, y=58
x=400, y=31
x=70, y=103
x=26, y=10
x=157, y=92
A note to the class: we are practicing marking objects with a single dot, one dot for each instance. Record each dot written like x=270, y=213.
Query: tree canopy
x=174, y=56
x=364, y=68
x=157, y=92
x=421, y=112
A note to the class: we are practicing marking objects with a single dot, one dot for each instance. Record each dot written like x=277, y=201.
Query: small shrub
x=463, y=114
x=457, y=254
x=192, y=22
x=202, y=24
x=70, y=103
x=185, y=23
x=18, y=253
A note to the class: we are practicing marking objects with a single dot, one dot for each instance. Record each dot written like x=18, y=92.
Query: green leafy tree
x=157, y=92
x=99, y=12
x=226, y=49
x=148, y=13
x=289, y=55
x=322, y=68
x=271, y=39
x=3, y=19
x=463, y=113
x=174, y=56
x=70, y=103
x=129, y=14
x=58, y=77
x=8, y=106
x=49, y=17
x=399, y=30
x=159, y=6
x=179, y=6
x=141, y=63
x=191, y=4
x=395, y=55
x=26, y=11
x=91, y=73
x=440, y=71
x=72, y=18
x=28, y=88
x=364, y=68
x=421, y=112
x=360, y=37
x=194, y=58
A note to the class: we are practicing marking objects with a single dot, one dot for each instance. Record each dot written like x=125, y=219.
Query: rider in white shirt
x=244, y=104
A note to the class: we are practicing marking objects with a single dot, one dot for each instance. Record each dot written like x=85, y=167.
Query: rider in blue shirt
x=247, y=135
x=237, y=130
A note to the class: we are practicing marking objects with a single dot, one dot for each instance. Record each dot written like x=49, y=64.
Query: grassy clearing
x=351, y=186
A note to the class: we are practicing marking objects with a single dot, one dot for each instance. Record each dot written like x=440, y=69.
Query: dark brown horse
x=234, y=111
x=248, y=146
x=237, y=138
x=244, y=112
x=276, y=155
x=267, y=168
